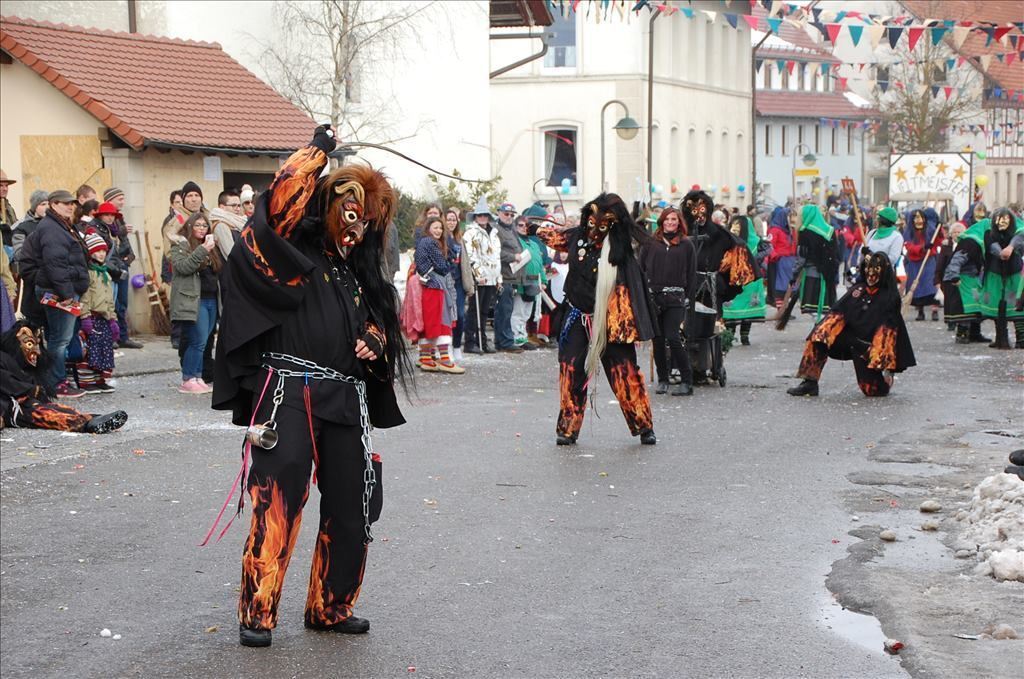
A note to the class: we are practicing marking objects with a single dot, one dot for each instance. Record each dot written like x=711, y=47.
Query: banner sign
x=933, y=172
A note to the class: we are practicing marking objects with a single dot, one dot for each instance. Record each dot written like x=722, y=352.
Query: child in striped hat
x=99, y=329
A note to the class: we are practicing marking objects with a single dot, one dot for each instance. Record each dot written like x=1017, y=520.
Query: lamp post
x=809, y=159
x=626, y=128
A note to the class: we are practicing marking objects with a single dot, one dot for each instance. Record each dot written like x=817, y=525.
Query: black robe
x=863, y=314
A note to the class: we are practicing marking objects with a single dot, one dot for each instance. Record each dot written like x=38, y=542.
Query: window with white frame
x=559, y=154
x=767, y=139
x=562, y=45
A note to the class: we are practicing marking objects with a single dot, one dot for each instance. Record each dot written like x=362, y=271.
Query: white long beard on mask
x=607, y=274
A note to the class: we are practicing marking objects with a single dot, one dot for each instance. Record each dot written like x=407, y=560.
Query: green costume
x=749, y=305
x=970, y=287
x=818, y=251
x=1003, y=281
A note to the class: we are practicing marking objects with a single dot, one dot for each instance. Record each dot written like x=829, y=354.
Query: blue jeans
x=503, y=338
x=460, y=304
x=121, y=306
x=60, y=327
x=195, y=335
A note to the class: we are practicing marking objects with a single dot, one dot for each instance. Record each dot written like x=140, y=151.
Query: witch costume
x=919, y=240
x=26, y=401
x=1003, y=284
x=817, y=262
x=309, y=346
x=865, y=326
x=607, y=311
x=749, y=306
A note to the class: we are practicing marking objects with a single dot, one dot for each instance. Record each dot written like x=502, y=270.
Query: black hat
x=191, y=187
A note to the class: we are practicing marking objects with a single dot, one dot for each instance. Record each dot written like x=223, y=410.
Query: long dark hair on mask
x=9, y=344
x=367, y=263
x=622, y=235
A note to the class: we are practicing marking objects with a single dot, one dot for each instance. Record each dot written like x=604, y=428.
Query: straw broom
x=159, y=322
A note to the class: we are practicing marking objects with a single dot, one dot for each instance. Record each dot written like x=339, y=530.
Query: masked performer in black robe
x=607, y=311
x=308, y=348
x=724, y=267
x=865, y=326
x=26, y=402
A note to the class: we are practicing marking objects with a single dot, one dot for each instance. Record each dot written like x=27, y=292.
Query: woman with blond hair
x=433, y=267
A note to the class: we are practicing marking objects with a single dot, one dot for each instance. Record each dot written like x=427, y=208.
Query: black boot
x=472, y=349
x=563, y=440
x=648, y=438
x=805, y=388
x=920, y=314
x=257, y=638
x=662, y=388
x=350, y=625
x=963, y=334
x=935, y=313
x=745, y=334
x=682, y=389
x=1017, y=457
x=104, y=424
x=1002, y=340
x=1018, y=334
x=975, y=334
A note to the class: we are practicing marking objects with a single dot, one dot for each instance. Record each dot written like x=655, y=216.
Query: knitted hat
x=112, y=193
x=888, y=215
x=94, y=242
x=37, y=197
x=191, y=187
x=107, y=209
x=60, y=196
x=246, y=196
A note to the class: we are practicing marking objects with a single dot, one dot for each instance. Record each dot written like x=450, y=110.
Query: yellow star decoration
x=919, y=168
x=941, y=167
x=959, y=173
x=901, y=174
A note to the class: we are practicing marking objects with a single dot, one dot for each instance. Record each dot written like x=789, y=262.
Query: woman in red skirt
x=439, y=299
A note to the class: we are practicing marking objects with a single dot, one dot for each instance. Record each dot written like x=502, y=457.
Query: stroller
x=703, y=333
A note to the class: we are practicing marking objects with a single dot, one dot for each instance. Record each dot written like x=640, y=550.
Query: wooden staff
x=909, y=296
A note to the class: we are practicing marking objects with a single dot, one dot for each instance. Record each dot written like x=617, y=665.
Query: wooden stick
x=21, y=297
x=909, y=296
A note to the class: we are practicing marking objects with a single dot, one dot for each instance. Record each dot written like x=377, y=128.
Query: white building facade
x=546, y=123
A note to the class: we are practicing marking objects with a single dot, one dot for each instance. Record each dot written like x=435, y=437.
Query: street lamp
x=626, y=128
x=809, y=159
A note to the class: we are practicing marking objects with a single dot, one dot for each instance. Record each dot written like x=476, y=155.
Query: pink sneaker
x=191, y=386
x=207, y=387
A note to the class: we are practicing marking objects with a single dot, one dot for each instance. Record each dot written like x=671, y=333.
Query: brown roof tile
x=793, y=104
x=136, y=85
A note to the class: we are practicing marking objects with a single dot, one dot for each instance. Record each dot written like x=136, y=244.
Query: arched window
x=559, y=154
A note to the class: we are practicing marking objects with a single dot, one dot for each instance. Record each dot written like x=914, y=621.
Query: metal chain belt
x=318, y=372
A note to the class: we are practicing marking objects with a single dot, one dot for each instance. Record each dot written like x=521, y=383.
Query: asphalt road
x=498, y=554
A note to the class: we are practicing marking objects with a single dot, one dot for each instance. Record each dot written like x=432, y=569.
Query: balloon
x=981, y=180
x=816, y=190
x=712, y=188
x=742, y=188
x=695, y=187
x=566, y=185
x=657, y=188
x=981, y=154
x=138, y=281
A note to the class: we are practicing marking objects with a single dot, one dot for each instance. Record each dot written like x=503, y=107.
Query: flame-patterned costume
x=606, y=314
x=864, y=326
x=306, y=283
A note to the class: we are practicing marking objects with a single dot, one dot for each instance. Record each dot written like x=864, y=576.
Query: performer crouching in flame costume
x=865, y=326
x=607, y=310
x=308, y=352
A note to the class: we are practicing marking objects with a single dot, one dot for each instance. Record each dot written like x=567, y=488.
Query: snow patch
x=994, y=521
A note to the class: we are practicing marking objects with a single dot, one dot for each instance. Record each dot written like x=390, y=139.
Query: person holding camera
x=195, y=266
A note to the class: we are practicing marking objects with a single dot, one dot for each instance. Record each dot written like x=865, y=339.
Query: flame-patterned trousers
x=871, y=382
x=278, y=487
x=619, y=361
x=32, y=413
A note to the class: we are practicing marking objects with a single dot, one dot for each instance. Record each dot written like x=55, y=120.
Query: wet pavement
x=498, y=554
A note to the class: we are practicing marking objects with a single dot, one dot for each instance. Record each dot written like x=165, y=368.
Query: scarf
x=812, y=221
x=236, y=222
x=101, y=270
x=885, y=231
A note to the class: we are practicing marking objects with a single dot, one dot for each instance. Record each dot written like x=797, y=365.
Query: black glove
x=373, y=343
x=323, y=138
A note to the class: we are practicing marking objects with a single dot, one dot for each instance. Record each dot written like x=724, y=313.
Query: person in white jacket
x=482, y=247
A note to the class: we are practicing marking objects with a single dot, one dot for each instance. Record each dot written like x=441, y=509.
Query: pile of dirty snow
x=994, y=521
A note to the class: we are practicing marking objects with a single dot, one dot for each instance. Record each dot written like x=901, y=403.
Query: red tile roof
x=790, y=33
x=793, y=104
x=152, y=90
x=1006, y=76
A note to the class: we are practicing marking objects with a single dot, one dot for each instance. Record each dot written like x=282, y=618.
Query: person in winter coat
x=98, y=321
x=453, y=231
x=921, y=237
x=886, y=237
x=8, y=217
x=63, y=274
x=7, y=292
x=483, y=248
x=749, y=306
x=438, y=299
x=121, y=252
x=511, y=253
x=782, y=257
x=195, y=263
x=227, y=222
x=37, y=205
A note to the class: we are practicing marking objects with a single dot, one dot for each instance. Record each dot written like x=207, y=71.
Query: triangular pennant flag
x=894, y=33
x=961, y=60
x=688, y=12
x=824, y=69
x=990, y=32
x=732, y=19
x=832, y=30
x=875, y=33
x=949, y=23
x=935, y=91
x=997, y=92
x=1000, y=57
x=921, y=89
x=960, y=34
x=949, y=91
x=913, y=35
x=855, y=33
x=985, y=60
x=1010, y=57
x=781, y=64
x=937, y=34
x=883, y=85
x=751, y=21
x=822, y=29
x=982, y=128
x=758, y=63
x=710, y=15
x=950, y=63
x=774, y=24
x=839, y=17
x=842, y=83
x=1001, y=32
x=816, y=11
x=790, y=66
x=860, y=67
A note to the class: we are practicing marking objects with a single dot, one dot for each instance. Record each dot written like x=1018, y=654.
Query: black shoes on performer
x=256, y=638
x=648, y=438
x=662, y=388
x=682, y=389
x=805, y=388
x=350, y=625
x=563, y=440
x=104, y=424
x=1016, y=464
x=260, y=638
